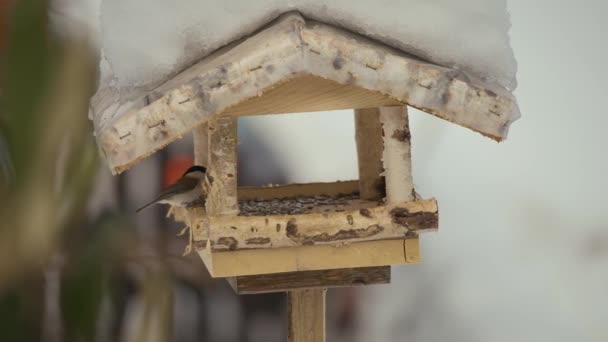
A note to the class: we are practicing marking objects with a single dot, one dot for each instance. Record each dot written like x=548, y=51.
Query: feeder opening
x=315, y=146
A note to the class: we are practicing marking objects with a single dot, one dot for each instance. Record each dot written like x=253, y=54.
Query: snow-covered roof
x=144, y=42
x=462, y=49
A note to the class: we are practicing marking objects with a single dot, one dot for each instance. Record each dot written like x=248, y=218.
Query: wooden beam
x=281, y=282
x=329, y=68
x=368, y=136
x=275, y=231
x=242, y=262
x=221, y=181
x=397, y=157
x=306, y=315
x=200, y=137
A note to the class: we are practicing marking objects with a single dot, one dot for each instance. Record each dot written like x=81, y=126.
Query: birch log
x=201, y=145
x=397, y=156
x=221, y=181
x=399, y=221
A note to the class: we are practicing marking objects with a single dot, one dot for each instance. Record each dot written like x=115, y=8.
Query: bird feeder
x=304, y=238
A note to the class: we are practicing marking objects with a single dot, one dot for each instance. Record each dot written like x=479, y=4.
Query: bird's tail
x=144, y=207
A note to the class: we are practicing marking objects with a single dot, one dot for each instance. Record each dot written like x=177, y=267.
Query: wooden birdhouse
x=301, y=236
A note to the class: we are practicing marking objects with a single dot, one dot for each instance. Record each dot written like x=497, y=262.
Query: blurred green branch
x=48, y=160
x=48, y=154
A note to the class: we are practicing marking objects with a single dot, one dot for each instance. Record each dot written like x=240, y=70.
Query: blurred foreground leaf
x=15, y=318
x=48, y=160
x=88, y=275
x=45, y=140
x=26, y=67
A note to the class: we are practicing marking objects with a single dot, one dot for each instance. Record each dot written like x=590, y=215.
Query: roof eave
x=291, y=47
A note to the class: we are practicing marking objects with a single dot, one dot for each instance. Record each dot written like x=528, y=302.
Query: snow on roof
x=146, y=42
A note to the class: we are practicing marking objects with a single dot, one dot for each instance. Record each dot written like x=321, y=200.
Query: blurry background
x=521, y=254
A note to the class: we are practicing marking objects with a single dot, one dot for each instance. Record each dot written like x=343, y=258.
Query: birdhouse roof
x=292, y=65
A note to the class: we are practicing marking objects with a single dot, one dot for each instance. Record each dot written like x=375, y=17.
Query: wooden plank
x=309, y=93
x=275, y=231
x=297, y=190
x=412, y=251
x=368, y=136
x=221, y=183
x=309, y=258
x=306, y=315
x=282, y=282
x=200, y=137
x=289, y=49
x=397, y=156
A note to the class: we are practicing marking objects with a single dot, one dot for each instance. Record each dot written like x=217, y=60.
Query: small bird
x=185, y=192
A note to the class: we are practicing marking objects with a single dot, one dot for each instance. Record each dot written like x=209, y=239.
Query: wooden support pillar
x=201, y=145
x=200, y=137
x=396, y=156
x=368, y=135
x=306, y=315
x=221, y=174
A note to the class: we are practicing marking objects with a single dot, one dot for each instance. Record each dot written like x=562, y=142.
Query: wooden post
x=397, y=161
x=221, y=174
x=201, y=145
x=220, y=183
x=368, y=135
x=306, y=311
x=396, y=156
x=200, y=137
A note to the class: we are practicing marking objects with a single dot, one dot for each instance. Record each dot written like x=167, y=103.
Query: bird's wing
x=184, y=184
